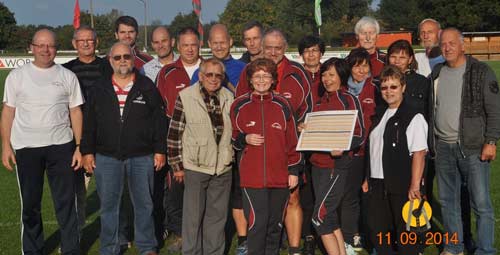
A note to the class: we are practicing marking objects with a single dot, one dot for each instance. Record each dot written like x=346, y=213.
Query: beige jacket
x=200, y=152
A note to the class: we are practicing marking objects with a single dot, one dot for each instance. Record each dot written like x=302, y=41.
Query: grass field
x=10, y=209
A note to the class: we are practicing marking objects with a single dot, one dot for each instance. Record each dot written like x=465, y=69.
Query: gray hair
x=118, y=44
x=456, y=30
x=213, y=61
x=364, y=22
x=276, y=32
x=429, y=20
x=85, y=28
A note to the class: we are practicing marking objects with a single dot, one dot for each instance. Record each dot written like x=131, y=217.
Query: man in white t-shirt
x=428, y=32
x=42, y=122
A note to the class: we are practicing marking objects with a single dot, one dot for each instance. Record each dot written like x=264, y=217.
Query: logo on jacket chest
x=368, y=101
x=250, y=124
x=139, y=100
x=180, y=86
x=287, y=95
x=276, y=125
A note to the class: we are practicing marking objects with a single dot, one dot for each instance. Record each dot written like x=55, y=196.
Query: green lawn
x=10, y=209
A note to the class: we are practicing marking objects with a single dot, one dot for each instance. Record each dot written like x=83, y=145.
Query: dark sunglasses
x=392, y=87
x=124, y=56
x=218, y=76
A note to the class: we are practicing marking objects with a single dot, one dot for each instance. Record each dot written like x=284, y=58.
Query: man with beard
x=428, y=31
x=124, y=140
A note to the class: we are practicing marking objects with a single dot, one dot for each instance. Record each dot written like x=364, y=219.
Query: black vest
x=396, y=159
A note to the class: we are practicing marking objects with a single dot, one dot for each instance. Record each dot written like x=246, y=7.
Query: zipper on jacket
x=264, y=135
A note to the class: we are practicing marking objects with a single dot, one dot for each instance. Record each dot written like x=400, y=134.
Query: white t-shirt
x=416, y=135
x=190, y=69
x=424, y=67
x=42, y=98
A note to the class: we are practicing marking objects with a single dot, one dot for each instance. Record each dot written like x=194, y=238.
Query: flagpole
x=145, y=25
x=91, y=14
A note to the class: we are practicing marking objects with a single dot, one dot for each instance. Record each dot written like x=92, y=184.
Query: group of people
x=177, y=141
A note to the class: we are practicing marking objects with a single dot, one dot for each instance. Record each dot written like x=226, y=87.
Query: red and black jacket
x=369, y=98
x=268, y=165
x=294, y=86
x=171, y=79
x=377, y=62
x=315, y=83
x=335, y=101
x=140, y=58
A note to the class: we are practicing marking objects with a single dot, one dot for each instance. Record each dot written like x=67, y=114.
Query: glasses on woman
x=266, y=77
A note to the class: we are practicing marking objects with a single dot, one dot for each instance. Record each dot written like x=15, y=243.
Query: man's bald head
x=220, y=41
x=121, y=59
x=44, y=48
x=45, y=33
x=218, y=29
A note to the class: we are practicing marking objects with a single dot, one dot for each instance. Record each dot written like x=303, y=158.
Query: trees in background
x=7, y=25
x=294, y=17
x=467, y=15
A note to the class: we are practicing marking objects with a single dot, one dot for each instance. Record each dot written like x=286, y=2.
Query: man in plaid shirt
x=200, y=154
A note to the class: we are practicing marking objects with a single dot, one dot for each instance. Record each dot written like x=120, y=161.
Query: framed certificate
x=327, y=131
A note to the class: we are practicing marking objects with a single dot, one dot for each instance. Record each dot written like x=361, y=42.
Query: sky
x=60, y=12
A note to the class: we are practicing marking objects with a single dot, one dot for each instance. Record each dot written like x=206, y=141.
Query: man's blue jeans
x=110, y=175
x=451, y=166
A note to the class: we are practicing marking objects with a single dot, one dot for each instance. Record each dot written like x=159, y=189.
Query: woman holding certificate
x=329, y=169
x=397, y=149
x=264, y=131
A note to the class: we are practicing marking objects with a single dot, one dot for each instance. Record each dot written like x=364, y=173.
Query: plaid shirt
x=178, y=124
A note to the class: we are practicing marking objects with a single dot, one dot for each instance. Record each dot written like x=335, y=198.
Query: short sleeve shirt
x=42, y=98
x=416, y=136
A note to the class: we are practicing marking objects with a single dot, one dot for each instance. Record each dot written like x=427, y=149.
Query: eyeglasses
x=44, y=46
x=84, y=41
x=120, y=57
x=392, y=87
x=262, y=77
x=217, y=76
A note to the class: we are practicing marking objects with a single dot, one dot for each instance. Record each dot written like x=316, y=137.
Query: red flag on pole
x=76, y=15
x=197, y=11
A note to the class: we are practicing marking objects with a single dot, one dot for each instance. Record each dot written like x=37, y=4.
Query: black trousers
x=329, y=186
x=350, y=208
x=264, y=210
x=158, y=208
x=385, y=217
x=307, y=202
x=31, y=166
x=173, y=203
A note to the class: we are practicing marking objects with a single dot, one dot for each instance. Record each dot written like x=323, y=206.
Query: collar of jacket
x=469, y=61
x=139, y=83
x=256, y=97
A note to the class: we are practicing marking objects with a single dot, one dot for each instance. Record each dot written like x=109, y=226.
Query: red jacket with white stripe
x=171, y=79
x=140, y=58
x=294, y=86
x=337, y=101
x=267, y=165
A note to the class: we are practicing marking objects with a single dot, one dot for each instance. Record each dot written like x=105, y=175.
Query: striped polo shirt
x=122, y=93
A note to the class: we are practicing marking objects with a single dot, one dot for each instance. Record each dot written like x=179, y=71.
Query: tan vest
x=200, y=152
